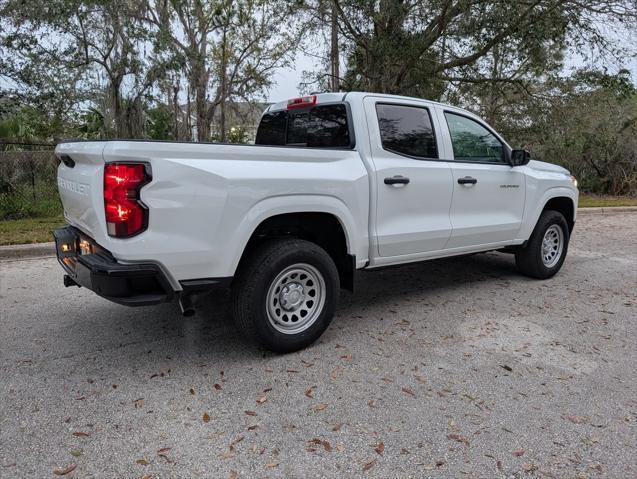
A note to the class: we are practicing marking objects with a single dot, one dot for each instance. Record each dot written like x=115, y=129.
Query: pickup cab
x=335, y=183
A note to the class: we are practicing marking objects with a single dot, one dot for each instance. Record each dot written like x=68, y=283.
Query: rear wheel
x=546, y=250
x=285, y=294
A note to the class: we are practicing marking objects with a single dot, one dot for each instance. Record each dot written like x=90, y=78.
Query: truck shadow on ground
x=210, y=334
x=391, y=287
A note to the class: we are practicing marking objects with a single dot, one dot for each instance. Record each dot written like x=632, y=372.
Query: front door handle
x=467, y=180
x=397, y=180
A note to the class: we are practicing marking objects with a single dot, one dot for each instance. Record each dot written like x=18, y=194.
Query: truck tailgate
x=80, y=183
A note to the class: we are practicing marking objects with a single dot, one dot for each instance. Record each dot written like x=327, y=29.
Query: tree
x=416, y=47
x=587, y=123
x=229, y=49
x=95, y=48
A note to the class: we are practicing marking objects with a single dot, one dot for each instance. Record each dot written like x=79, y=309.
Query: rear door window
x=406, y=130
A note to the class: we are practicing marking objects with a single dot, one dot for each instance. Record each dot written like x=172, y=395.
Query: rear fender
x=357, y=241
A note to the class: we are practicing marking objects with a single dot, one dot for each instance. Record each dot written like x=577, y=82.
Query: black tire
x=529, y=259
x=257, y=274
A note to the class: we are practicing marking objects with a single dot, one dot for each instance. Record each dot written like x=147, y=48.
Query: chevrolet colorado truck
x=335, y=183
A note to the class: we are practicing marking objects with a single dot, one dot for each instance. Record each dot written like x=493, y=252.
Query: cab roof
x=333, y=97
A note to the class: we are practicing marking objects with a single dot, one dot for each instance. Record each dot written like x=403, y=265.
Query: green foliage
x=587, y=123
x=162, y=70
x=160, y=123
x=237, y=134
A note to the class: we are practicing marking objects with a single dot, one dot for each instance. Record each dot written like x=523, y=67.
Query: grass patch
x=38, y=230
x=591, y=201
x=29, y=230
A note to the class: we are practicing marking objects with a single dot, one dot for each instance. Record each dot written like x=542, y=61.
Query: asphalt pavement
x=451, y=368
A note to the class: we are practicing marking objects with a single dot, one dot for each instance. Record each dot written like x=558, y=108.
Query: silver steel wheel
x=552, y=245
x=296, y=298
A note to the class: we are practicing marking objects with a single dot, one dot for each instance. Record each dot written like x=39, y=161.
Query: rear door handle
x=467, y=180
x=397, y=180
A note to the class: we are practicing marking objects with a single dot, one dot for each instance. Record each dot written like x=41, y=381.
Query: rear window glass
x=272, y=129
x=323, y=126
x=406, y=130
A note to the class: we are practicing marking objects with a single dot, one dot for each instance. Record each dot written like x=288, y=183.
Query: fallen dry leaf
x=233, y=475
x=250, y=413
x=142, y=462
x=320, y=407
x=408, y=391
x=321, y=442
x=64, y=471
x=518, y=453
x=217, y=386
x=458, y=438
x=163, y=450
x=262, y=399
x=308, y=392
x=369, y=465
x=576, y=419
x=206, y=417
x=236, y=441
x=272, y=465
x=380, y=448
x=81, y=434
x=192, y=391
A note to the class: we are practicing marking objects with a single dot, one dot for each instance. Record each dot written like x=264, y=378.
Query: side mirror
x=520, y=157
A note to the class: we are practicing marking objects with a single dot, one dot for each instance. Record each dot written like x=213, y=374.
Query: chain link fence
x=28, y=184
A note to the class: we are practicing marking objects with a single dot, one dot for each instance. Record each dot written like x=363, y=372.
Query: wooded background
x=199, y=70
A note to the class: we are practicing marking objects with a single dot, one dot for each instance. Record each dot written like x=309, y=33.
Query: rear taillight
x=302, y=102
x=126, y=215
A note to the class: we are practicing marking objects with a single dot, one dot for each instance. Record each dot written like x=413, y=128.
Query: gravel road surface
x=452, y=368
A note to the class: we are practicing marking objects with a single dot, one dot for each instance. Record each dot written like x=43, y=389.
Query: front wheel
x=285, y=294
x=545, y=252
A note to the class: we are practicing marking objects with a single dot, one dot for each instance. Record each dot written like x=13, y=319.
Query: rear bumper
x=89, y=265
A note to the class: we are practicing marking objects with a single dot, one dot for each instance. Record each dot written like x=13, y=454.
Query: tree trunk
x=116, y=104
x=176, y=110
x=201, y=100
x=189, y=114
x=224, y=88
x=334, y=56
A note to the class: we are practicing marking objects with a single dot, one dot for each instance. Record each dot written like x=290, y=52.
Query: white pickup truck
x=336, y=182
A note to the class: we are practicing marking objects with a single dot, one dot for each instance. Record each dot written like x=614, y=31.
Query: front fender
x=531, y=216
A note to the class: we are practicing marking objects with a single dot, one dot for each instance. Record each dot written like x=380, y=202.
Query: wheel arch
x=563, y=205
x=561, y=199
x=325, y=221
